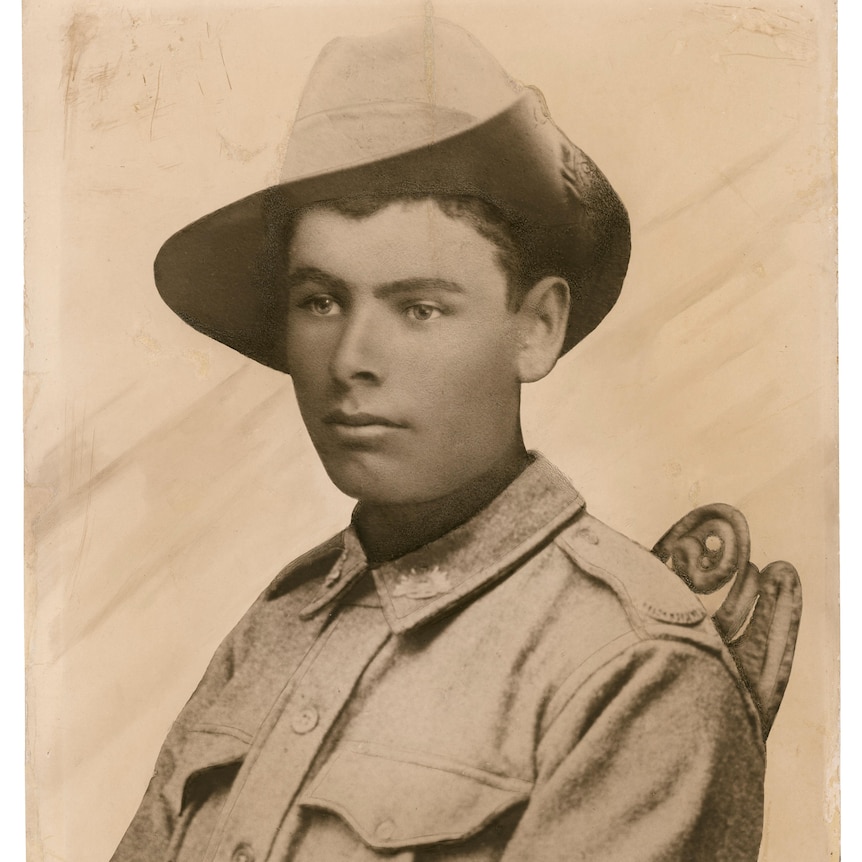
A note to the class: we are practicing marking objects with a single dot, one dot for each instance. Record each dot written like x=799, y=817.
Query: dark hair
x=485, y=218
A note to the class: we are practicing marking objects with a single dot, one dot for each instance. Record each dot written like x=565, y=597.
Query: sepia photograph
x=431, y=441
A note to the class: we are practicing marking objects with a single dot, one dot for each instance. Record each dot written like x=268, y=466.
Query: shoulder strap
x=646, y=588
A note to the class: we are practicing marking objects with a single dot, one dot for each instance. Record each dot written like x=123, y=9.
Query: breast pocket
x=395, y=801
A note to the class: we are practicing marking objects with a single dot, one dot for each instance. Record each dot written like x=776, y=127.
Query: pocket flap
x=204, y=748
x=393, y=799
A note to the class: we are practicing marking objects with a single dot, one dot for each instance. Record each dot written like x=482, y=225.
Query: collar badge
x=421, y=585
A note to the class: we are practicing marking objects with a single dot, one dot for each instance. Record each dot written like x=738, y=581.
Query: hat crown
x=429, y=61
x=375, y=96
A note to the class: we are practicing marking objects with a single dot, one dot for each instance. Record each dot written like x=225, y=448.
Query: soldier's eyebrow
x=305, y=274
x=314, y=275
x=411, y=285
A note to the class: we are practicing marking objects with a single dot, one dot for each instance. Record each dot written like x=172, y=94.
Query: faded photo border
x=12, y=653
x=849, y=364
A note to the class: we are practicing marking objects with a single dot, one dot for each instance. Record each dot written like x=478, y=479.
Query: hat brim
x=574, y=223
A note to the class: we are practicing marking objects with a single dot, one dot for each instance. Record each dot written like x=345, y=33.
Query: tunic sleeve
x=150, y=833
x=654, y=757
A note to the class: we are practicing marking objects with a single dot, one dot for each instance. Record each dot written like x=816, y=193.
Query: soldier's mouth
x=359, y=420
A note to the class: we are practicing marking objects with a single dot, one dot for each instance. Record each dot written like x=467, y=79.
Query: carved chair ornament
x=759, y=618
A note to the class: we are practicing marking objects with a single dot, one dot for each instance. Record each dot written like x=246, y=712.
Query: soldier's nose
x=359, y=353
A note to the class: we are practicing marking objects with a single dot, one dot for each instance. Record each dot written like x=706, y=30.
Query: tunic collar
x=433, y=579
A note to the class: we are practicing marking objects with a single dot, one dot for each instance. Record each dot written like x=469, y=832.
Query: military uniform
x=530, y=686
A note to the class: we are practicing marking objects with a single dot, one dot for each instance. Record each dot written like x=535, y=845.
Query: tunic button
x=305, y=720
x=243, y=853
x=385, y=829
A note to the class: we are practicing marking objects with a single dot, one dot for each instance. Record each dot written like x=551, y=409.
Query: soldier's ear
x=543, y=317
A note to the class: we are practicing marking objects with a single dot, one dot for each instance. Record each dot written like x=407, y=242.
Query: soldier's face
x=402, y=349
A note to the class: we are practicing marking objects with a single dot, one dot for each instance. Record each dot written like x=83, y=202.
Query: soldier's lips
x=360, y=426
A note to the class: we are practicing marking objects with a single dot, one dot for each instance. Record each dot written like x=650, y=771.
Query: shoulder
x=275, y=614
x=669, y=632
x=654, y=600
x=638, y=578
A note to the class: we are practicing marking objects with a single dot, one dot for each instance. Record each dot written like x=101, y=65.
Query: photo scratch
x=224, y=65
x=155, y=101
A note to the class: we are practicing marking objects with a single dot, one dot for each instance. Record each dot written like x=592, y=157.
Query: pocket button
x=385, y=829
x=242, y=853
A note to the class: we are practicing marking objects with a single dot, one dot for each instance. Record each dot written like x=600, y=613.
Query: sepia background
x=169, y=479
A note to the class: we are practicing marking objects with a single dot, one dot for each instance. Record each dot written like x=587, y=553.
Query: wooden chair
x=759, y=617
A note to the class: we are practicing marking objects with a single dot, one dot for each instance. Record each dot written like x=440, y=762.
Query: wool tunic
x=530, y=686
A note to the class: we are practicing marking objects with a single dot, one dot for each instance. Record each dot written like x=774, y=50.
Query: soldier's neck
x=390, y=531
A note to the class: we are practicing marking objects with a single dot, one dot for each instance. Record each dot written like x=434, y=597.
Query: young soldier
x=475, y=668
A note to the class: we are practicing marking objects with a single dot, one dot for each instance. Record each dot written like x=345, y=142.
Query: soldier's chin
x=374, y=479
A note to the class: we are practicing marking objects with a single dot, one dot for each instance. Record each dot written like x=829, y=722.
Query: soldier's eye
x=322, y=305
x=423, y=311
